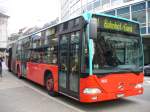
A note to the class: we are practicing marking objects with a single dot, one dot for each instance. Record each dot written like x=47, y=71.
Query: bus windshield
x=116, y=52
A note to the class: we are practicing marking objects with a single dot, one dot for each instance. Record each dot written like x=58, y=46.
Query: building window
x=127, y=1
x=139, y=13
x=84, y=2
x=123, y=10
x=112, y=12
x=84, y=9
x=105, y=3
x=89, y=7
x=96, y=3
x=114, y=2
x=138, y=7
x=148, y=29
x=89, y=1
x=148, y=4
x=140, y=16
x=143, y=30
x=125, y=16
x=149, y=17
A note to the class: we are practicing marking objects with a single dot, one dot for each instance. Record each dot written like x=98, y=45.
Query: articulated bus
x=90, y=58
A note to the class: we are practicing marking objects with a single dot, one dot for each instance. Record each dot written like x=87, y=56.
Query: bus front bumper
x=89, y=98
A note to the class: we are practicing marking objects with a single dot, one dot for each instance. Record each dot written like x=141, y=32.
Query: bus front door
x=69, y=64
x=63, y=63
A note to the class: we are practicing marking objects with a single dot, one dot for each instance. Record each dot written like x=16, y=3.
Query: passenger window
x=43, y=38
x=25, y=45
x=34, y=56
x=50, y=53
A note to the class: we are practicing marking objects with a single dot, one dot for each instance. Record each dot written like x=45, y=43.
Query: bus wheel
x=50, y=86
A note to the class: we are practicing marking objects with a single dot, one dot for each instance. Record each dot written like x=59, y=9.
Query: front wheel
x=50, y=86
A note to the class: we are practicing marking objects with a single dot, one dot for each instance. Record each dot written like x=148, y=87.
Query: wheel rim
x=49, y=84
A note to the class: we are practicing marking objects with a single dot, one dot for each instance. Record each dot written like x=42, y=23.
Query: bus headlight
x=140, y=85
x=91, y=91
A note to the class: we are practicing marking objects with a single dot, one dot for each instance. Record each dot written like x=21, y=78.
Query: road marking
x=54, y=99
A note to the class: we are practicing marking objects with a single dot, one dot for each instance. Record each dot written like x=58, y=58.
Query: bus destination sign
x=117, y=24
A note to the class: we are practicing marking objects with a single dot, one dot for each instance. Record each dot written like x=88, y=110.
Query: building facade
x=138, y=10
x=3, y=32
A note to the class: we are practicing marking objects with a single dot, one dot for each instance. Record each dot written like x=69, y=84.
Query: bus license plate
x=120, y=95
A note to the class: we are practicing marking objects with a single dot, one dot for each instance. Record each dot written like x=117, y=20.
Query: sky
x=28, y=13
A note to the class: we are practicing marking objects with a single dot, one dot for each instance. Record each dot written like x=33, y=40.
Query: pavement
x=25, y=96
x=18, y=96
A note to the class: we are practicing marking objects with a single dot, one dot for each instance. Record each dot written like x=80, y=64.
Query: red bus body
x=36, y=73
x=109, y=84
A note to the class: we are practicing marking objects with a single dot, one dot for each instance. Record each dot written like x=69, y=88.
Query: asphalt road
x=25, y=96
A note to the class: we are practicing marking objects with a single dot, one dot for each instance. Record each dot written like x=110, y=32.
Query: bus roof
x=87, y=16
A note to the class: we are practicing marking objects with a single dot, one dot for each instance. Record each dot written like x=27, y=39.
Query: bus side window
x=34, y=57
x=40, y=60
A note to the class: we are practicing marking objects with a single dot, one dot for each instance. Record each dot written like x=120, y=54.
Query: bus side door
x=69, y=63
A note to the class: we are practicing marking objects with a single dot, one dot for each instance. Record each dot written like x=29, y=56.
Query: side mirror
x=93, y=28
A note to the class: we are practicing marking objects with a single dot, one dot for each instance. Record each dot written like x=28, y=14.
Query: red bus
x=91, y=58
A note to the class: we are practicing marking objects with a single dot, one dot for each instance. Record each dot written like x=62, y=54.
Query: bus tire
x=50, y=86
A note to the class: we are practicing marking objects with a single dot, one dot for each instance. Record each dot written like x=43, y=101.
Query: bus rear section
x=113, y=60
